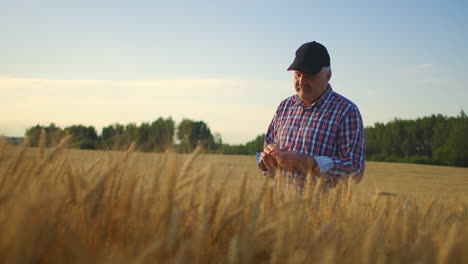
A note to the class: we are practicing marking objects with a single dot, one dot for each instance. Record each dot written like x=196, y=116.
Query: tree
x=255, y=145
x=53, y=135
x=82, y=137
x=162, y=134
x=144, y=138
x=111, y=137
x=131, y=134
x=454, y=150
x=33, y=135
x=218, y=139
x=191, y=134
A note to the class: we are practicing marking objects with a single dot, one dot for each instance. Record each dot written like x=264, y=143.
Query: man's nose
x=300, y=79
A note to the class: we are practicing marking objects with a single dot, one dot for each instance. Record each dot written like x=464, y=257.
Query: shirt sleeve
x=271, y=132
x=324, y=163
x=351, y=149
x=269, y=139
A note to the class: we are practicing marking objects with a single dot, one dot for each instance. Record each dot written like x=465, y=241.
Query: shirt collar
x=320, y=101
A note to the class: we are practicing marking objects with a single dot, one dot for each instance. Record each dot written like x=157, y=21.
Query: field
x=75, y=206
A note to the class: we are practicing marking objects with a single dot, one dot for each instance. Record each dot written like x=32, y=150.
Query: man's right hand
x=268, y=160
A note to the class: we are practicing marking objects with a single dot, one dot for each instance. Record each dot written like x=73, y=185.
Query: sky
x=223, y=62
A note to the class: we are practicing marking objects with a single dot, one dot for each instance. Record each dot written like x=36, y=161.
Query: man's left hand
x=294, y=161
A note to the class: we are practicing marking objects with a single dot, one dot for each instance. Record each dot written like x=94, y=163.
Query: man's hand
x=268, y=160
x=294, y=161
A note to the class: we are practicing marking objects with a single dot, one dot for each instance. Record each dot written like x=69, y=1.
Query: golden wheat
x=71, y=206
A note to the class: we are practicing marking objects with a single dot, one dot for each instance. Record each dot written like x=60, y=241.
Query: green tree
x=131, y=134
x=33, y=134
x=82, y=137
x=255, y=145
x=144, y=142
x=113, y=137
x=191, y=134
x=162, y=134
x=454, y=151
x=53, y=135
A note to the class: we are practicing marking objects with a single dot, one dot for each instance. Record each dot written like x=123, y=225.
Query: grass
x=74, y=206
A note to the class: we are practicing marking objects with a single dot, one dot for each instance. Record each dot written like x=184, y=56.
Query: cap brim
x=294, y=67
x=298, y=65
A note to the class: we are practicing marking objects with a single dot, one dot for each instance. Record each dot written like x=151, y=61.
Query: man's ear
x=329, y=75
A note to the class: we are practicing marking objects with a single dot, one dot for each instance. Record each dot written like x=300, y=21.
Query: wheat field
x=75, y=206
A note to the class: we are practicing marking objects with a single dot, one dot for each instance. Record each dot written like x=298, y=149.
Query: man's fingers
x=285, y=159
x=271, y=148
x=266, y=160
x=285, y=148
x=269, y=162
x=268, y=156
x=277, y=154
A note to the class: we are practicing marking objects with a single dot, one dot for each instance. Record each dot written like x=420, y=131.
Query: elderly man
x=315, y=132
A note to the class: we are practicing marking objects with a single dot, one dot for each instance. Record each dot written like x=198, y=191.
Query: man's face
x=309, y=87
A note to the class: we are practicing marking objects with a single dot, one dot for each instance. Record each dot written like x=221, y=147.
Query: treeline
x=435, y=139
x=158, y=136
x=249, y=148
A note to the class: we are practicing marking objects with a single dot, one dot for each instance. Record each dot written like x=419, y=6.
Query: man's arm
x=265, y=161
x=351, y=149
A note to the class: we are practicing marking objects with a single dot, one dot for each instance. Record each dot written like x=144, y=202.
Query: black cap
x=311, y=57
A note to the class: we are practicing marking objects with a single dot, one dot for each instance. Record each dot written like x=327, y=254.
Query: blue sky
x=223, y=62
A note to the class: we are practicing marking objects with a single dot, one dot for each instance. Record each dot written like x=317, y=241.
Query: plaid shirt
x=330, y=130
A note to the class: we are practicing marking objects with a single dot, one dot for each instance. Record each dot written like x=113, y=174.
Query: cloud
x=422, y=68
x=427, y=74
x=433, y=81
x=10, y=86
x=452, y=86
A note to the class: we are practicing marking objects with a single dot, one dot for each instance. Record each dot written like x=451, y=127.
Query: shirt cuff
x=324, y=163
x=260, y=164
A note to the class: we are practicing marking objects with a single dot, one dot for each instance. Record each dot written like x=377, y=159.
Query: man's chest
x=310, y=131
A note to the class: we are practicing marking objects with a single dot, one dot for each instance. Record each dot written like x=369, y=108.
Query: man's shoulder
x=288, y=101
x=338, y=99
